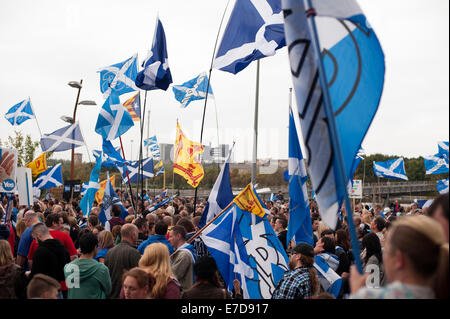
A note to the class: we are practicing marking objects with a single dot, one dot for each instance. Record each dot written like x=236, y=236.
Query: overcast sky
x=46, y=44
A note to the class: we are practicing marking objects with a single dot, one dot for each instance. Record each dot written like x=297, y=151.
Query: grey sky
x=46, y=44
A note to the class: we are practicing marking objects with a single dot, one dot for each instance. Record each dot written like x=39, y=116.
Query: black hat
x=304, y=249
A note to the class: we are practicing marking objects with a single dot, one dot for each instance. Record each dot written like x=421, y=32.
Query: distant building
x=210, y=154
x=78, y=159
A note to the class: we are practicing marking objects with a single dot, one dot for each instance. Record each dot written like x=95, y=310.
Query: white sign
x=8, y=165
x=356, y=191
x=25, y=186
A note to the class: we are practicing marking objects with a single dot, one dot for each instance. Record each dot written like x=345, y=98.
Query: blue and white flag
x=133, y=168
x=436, y=165
x=156, y=74
x=110, y=198
x=221, y=194
x=164, y=202
x=330, y=281
x=354, y=65
x=394, y=168
x=300, y=226
x=84, y=189
x=93, y=186
x=442, y=186
x=443, y=150
x=273, y=198
x=113, y=119
x=255, y=31
x=152, y=144
x=226, y=244
x=192, y=90
x=119, y=78
x=113, y=153
x=64, y=139
x=20, y=112
x=51, y=178
x=162, y=195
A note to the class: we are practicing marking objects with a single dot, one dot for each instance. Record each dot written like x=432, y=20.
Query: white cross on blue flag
x=63, y=139
x=442, y=186
x=51, y=178
x=110, y=198
x=192, y=90
x=394, y=168
x=436, y=165
x=113, y=119
x=20, y=112
x=119, y=78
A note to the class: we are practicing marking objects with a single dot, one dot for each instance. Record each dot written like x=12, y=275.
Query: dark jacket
x=204, y=290
x=49, y=259
x=12, y=282
x=282, y=236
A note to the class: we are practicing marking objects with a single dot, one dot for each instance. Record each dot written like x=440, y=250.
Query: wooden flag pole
x=129, y=183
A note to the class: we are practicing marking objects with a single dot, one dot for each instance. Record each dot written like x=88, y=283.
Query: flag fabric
x=247, y=200
x=436, y=165
x=39, y=165
x=110, y=198
x=113, y=153
x=221, y=194
x=119, y=78
x=273, y=198
x=156, y=74
x=84, y=188
x=443, y=150
x=164, y=202
x=328, y=278
x=51, y=178
x=442, y=186
x=192, y=90
x=187, y=159
x=20, y=112
x=113, y=119
x=162, y=195
x=64, y=139
x=152, y=144
x=358, y=158
x=133, y=106
x=355, y=89
x=101, y=191
x=92, y=188
x=300, y=226
x=255, y=31
x=133, y=169
x=226, y=245
x=394, y=168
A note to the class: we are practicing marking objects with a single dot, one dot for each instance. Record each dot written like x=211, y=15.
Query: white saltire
x=19, y=112
x=440, y=162
x=63, y=138
x=48, y=178
x=120, y=76
x=113, y=120
x=390, y=171
x=192, y=92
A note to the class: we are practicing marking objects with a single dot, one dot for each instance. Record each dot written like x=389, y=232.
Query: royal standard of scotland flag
x=88, y=199
x=156, y=74
x=51, y=178
x=110, y=198
x=394, y=168
x=355, y=68
x=20, y=112
x=436, y=165
x=113, y=120
x=442, y=186
x=192, y=90
x=254, y=31
x=64, y=139
x=119, y=78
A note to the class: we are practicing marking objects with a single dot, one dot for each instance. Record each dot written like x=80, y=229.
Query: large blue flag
x=20, y=112
x=192, y=90
x=133, y=167
x=255, y=30
x=110, y=198
x=88, y=199
x=443, y=150
x=113, y=119
x=442, y=186
x=64, y=139
x=300, y=226
x=328, y=278
x=51, y=178
x=394, y=168
x=221, y=194
x=119, y=78
x=436, y=165
x=156, y=74
x=355, y=68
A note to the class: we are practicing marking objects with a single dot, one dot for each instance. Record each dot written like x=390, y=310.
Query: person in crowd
x=373, y=256
x=122, y=257
x=7, y=232
x=105, y=243
x=115, y=231
x=328, y=252
x=183, y=258
x=281, y=230
x=12, y=277
x=315, y=226
x=30, y=219
x=301, y=281
x=115, y=220
x=137, y=284
x=439, y=210
x=377, y=227
x=414, y=271
x=20, y=228
x=159, y=237
x=142, y=225
x=343, y=251
x=43, y=287
x=198, y=244
x=92, y=280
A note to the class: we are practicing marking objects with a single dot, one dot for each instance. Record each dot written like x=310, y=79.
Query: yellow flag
x=186, y=159
x=101, y=191
x=39, y=165
x=248, y=201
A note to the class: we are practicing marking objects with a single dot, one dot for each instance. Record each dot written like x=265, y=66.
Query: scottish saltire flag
x=394, y=168
x=443, y=150
x=133, y=106
x=93, y=186
x=300, y=226
x=119, y=78
x=255, y=31
x=442, y=186
x=113, y=120
x=152, y=144
x=436, y=165
x=156, y=74
x=273, y=198
x=358, y=158
x=226, y=245
x=192, y=90
x=133, y=167
x=162, y=195
x=110, y=198
x=84, y=188
x=330, y=281
x=20, y=112
x=164, y=202
x=51, y=178
x=64, y=139
x=355, y=68
x=113, y=153
x=221, y=194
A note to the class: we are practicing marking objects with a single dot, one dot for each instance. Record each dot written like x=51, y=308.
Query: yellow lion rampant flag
x=39, y=165
x=248, y=200
x=101, y=192
x=186, y=159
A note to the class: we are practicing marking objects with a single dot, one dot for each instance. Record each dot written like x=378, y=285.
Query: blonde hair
x=105, y=239
x=367, y=218
x=6, y=256
x=321, y=228
x=20, y=228
x=129, y=219
x=157, y=262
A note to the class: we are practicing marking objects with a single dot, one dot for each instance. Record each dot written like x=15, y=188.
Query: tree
x=25, y=147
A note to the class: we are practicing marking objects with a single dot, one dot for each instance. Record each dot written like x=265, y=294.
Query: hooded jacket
x=94, y=279
x=49, y=259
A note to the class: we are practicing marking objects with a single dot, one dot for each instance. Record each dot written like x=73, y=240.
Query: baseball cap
x=304, y=249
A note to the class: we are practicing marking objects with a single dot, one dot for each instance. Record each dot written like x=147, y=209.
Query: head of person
x=161, y=228
x=177, y=236
x=57, y=209
x=116, y=210
x=156, y=261
x=280, y=224
x=357, y=221
x=187, y=224
x=205, y=269
x=40, y=232
x=416, y=250
x=6, y=256
x=92, y=222
x=129, y=219
x=302, y=255
x=439, y=211
x=151, y=218
x=315, y=223
x=378, y=224
x=371, y=242
x=167, y=220
x=327, y=233
x=30, y=218
x=43, y=287
x=88, y=244
x=342, y=239
x=142, y=225
x=129, y=233
x=329, y=245
x=136, y=284
x=55, y=221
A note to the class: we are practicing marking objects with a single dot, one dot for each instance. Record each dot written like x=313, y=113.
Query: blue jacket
x=155, y=239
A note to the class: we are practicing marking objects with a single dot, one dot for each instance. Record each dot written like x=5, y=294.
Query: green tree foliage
x=25, y=147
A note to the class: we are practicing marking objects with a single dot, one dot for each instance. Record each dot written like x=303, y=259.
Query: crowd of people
x=51, y=250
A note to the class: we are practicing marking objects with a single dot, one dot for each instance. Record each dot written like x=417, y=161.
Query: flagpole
x=141, y=154
x=128, y=177
x=148, y=136
x=35, y=117
x=255, y=128
x=334, y=138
